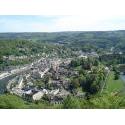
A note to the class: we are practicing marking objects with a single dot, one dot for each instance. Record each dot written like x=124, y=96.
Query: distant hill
x=100, y=39
x=65, y=35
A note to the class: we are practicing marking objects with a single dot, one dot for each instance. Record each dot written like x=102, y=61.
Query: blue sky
x=51, y=23
x=13, y=23
x=62, y=15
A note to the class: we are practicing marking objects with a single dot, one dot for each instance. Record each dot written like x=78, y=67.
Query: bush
x=11, y=102
x=71, y=103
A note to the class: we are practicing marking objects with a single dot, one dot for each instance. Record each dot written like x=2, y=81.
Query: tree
x=75, y=63
x=91, y=84
x=116, y=76
x=75, y=83
x=82, y=80
x=82, y=72
x=96, y=62
x=116, y=73
x=71, y=103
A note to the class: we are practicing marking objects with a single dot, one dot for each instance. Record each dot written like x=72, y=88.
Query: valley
x=63, y=69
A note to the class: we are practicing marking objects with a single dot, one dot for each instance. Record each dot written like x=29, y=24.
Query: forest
x=101, y=39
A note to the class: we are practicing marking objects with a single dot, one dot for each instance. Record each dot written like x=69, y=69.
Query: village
x=24, y=84
x=45, y=78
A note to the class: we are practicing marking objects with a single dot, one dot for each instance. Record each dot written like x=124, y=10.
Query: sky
x=62, y=15
x=13, y=23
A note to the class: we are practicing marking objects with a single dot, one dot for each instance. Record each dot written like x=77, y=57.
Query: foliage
x=108, y=101
x=112, y=59
x=84, y=40
x=91, y=75
x=11, y=102
x=114, y=85
x=71, y=103
x=104, y=101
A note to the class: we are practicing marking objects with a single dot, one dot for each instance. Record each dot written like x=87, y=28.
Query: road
x=19, y=70
x=13, y=72
x=6, y=76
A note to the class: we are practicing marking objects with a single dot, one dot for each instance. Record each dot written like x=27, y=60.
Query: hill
x=97, y=39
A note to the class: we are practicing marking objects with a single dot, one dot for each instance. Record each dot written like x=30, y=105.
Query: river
x=4, y=82
x=122, y=77
x=26, y=68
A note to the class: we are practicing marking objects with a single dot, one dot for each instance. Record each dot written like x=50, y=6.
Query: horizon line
x=64, y=31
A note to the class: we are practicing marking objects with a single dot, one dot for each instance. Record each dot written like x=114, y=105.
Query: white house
x=37, y=96
x=20, y=83
x=54, y=92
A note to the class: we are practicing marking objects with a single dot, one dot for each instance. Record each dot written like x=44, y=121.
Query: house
x=83, y=56
x=54, y=92
x=63, y=93
x=28, y=95
x=81, y=94
x=37, y=96
x=107, y=69
x=45, y=91
x=36, y=74
x=27, y=76
x=56, y=100
x=30, y=84
x=17, y=92
x=20, y=83
x=29, y=92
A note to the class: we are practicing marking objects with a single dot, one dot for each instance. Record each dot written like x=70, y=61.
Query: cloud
x=64, y=15
x=88, y=23
x=60, y=23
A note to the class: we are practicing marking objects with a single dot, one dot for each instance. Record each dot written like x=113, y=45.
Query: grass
x=114, y=85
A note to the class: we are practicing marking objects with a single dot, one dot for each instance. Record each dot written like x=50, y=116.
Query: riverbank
x=114, y=85
x=4, y=82
x=122, y=77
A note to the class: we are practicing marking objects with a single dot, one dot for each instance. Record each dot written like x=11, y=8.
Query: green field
x=114, y=85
